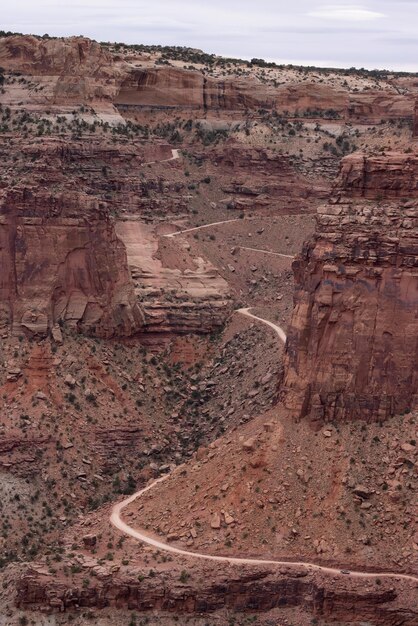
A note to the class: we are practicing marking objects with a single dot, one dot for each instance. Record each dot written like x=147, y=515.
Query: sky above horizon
x=379, y=34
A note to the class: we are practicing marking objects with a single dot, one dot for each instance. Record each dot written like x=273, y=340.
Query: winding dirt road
x=190, y=230
x=285, y=256
x=116, y=520
x=118, y=523
x=277, y=329
x=175, y=155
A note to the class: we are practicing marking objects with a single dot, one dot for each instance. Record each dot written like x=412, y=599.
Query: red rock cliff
x=74, y=69
x=352, y=350
x=392, y=175
x=63, y=263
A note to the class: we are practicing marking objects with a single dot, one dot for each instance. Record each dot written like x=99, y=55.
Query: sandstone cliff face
x=162, y=88
x=242, y=592
x=352, y=350
x=75, y=69
x=63, y=264
x=74, y=55
x=264, y=176
x=184, y=89
x=173, y=87
x=114, y=171
x=178, y=292
x=374, y=106
x=391, y=175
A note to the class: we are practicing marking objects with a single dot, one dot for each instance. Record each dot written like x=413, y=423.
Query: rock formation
x=62, y=263
x=179, y=293
x=74, y=69
x=170, y=88
x=261, y=178
x=386, y=176
x=255, y=589
x=59, y=73
x=352, y=349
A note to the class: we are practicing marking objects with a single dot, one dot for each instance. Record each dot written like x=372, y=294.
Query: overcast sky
x=374, y=34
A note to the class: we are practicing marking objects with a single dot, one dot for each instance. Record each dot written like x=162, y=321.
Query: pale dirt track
x=277, y=329
x=191, y=230
x=235, y=219
x=118, y=523
x=285, y=256
x=175, y=155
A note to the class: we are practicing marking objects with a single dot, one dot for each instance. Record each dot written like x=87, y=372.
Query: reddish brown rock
x=391, y=175
x=352, y=348
x=72, y=69
x=242, y=592
x=371, y=107
x=154, y=87
x=77, y=70
x=263, y=172
x=63, y=263
x=174, y=87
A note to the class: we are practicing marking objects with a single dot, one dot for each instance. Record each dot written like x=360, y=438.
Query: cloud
x=314, y=32
x=345, y=12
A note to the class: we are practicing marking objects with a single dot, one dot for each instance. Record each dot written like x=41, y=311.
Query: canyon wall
x=167, y=88
x=174, y=87
x=227, y=588
x=62, y=264
x=384, y=176
x=68, y=70
x=63, y=72
x=352, y=349
x=180, y=293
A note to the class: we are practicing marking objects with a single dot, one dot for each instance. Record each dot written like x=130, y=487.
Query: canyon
x=208, y=322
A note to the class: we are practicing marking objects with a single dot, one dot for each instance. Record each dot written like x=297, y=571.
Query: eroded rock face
x=72, y=69
x=179, y=293
x=75, y=70
x=392, y=175
x=178, y=88
x=225, y=588
x=257, y=178
x=62, y=263
x=352, y=349
x=373, y=106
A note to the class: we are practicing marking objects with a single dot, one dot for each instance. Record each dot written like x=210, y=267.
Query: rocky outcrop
x=62, y=263
x=178, y=292
x=391, y=175
x=114, y=171
x=226, y=588
x=63, y=72
x=372, y=107
x=164, y=87
x=174, y=87
x=74, y=69
x=352, y=348
x=184, y=89
x=260, y=178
